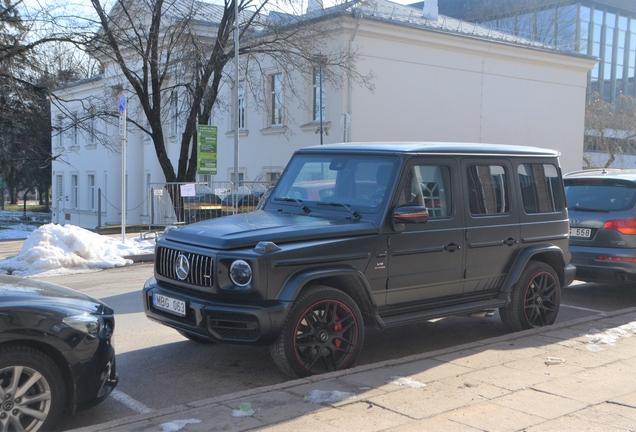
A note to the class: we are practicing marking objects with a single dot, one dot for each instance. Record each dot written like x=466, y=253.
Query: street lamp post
x=321, y=59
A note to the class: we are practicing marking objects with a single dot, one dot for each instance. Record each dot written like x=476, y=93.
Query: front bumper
x=244, y=323
x=96, y=378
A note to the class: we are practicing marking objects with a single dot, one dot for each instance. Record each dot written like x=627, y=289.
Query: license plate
x=581, y=232
x=169, y=304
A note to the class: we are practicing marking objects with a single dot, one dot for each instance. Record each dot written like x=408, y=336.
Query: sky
x=53, y=250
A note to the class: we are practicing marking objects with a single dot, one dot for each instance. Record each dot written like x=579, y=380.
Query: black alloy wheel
x=535, y=298
x=323, y=333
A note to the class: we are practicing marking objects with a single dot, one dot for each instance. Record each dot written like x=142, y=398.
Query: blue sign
x=122, y=104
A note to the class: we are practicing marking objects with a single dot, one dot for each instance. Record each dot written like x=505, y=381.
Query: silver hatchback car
x=601, y=206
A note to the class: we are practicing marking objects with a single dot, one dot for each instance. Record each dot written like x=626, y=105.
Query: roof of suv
x=432, y=147
x=613, y=173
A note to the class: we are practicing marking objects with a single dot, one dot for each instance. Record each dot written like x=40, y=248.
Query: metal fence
x=186, y=203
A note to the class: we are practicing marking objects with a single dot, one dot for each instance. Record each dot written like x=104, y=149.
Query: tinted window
x=428, y=186
x=540, y=188
x=599, y=194
x=487, y=189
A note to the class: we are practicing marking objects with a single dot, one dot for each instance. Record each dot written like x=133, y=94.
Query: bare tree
x=610, y=129
x=164, y=48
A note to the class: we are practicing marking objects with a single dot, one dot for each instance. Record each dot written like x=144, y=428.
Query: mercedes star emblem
x=182, y=267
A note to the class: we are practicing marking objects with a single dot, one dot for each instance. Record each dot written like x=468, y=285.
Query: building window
x=59, y=181
x=104, y=192
x=174, y=113
x=74, y=187
x=91, y=191
x=241, y=105
x=276, y=99
x=74, y=132
x=91, y=131
x=319, y=94
x=241, y=177
x=59, y=126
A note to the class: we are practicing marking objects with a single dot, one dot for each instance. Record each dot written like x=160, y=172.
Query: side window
x=541, y=189
x=487, y=189
x=428, y=186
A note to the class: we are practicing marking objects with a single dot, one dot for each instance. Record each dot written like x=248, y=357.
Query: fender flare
x=522, y=260
x=297, y=281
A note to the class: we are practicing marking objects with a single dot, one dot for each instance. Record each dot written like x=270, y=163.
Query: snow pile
x=53, y=250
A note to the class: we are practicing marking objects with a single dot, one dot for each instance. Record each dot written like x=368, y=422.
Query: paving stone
x=488, y=356
x=305, y=423
x=437, y=423
x=214, y=418
x=609, y=415
x=492, y=418
x=377, y=381
x=594, y=385
x=277, y=406
x=429, y=370
x=539, y=404
x=627, y=399
x=538, y=364
x=571, y=424
x=506, y=377
x=586, y=357
x=334, y=384
x=360, y=417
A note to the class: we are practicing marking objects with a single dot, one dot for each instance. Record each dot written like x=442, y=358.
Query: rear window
x=599, y=194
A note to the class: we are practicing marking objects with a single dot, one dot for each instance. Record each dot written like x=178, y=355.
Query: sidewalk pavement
x=573, y=376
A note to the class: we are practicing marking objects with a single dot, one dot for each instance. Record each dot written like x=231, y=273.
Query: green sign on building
x=206, y=149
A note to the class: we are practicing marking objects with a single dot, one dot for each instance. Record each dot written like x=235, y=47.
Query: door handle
x=452, y=247
x=510, y=242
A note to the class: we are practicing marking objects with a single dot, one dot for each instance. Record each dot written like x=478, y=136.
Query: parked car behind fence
x=211, y=200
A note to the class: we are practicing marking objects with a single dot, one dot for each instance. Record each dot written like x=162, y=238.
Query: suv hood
x=247, y=229
x=22, y=292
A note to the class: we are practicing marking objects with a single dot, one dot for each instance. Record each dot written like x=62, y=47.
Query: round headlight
x=240, y=273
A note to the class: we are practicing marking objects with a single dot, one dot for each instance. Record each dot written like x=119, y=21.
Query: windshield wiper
x=597, y=210
x=354, y=213
x=296, y=200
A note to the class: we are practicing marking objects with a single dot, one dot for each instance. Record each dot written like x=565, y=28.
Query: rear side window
x=541, y=189
x=601, y=195
x=487, y=189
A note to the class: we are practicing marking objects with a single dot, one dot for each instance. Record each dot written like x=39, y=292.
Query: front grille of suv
x=201, y=271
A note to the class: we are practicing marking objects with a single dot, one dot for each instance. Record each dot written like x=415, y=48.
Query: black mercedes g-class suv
x=377, y=234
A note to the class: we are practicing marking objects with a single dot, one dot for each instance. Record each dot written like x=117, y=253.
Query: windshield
x=599, y=194
x=354, y=182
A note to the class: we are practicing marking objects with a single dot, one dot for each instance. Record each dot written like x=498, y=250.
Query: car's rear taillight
x=623, y=226
x=614, y=258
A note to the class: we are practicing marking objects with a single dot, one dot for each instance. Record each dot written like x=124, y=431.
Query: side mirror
x=408, y=214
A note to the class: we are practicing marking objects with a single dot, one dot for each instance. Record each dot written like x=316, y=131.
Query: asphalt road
x=158, y=368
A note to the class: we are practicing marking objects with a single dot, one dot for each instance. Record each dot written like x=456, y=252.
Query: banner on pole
x=206, y=149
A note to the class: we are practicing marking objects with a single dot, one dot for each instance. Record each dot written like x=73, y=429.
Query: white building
x=435, y=79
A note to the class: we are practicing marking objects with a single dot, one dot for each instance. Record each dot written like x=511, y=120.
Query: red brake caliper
x=337, y=328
